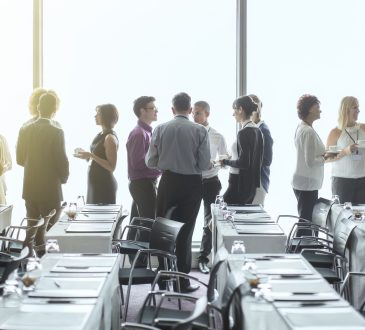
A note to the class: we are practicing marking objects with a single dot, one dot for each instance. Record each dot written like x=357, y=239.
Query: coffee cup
x=78, y=150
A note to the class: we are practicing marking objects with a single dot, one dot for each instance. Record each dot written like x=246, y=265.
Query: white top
x=309, y=170
x=351, y=166
x=234, y=147
x=218, y=146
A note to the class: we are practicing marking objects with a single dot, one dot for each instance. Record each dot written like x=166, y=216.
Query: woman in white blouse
x=311, y=156
x=348, y=171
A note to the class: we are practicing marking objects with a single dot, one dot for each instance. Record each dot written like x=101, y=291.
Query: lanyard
x=357, y=137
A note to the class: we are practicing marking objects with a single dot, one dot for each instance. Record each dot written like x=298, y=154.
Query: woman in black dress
x=102, y=186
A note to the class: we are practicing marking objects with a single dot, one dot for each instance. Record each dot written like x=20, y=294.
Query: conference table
x=91, y=231
x=252, y=225
x=74, y=292
x=296, y=296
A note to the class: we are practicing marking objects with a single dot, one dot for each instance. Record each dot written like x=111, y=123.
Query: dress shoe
x=203, y=267
x=190, y=288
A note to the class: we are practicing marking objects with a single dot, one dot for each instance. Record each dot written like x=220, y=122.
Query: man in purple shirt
x=143, y=180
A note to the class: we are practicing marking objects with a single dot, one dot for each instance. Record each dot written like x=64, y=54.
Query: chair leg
x=126, y=302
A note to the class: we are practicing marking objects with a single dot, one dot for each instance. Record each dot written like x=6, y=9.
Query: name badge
x=356, y=157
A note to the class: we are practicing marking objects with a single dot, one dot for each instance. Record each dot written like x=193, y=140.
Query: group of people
x=172, y=168
x=344, y=149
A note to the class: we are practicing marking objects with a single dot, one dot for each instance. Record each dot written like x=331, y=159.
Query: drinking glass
x=229, y=216
x=33, y=273
x=238, y=247
x=71, y=211
x=335, y=199
x=347, y=206
x=52, y=246
x=12, y=294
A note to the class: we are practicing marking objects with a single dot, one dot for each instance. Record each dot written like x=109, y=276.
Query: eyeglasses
x=151, y=108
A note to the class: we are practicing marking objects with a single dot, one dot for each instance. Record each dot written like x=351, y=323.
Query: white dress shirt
x=218, y=147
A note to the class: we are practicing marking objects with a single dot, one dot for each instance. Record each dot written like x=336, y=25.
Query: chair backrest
x=164, y=234
x=341, y=235
x=118, y=225
x=199, y=310
x=236, y=287
x=9, y=263
x=220, y=259
x=321, y=211
x=136, y=326
x=5, y=216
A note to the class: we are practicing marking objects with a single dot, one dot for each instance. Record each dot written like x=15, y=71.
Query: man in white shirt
x=211, y=184
x=180, y=149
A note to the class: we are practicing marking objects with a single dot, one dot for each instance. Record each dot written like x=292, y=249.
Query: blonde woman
x=348, y=169
x=33, y=105
x=5, y=165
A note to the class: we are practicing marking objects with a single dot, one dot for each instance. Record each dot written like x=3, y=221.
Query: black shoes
x=203, y=267
x=190, y=288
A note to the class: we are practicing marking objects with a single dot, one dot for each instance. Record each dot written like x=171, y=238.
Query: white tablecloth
x=100, y=313
x=224, y=234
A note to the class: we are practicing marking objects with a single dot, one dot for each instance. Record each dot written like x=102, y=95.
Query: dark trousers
x=211, y=188
x=36, y=210
x=184, y=192
x=144, y=194
x=349, y=190
x=306, y=201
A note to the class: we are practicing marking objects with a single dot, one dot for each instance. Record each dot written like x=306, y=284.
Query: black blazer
x=250, y=145
x=41, y=151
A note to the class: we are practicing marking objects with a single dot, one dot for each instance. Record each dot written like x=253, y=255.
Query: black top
x=102, y=186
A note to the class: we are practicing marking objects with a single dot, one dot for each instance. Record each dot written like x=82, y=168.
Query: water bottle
x=238, y=247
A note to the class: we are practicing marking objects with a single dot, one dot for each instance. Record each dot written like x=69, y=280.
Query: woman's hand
x=350, y=149
x=84, y=155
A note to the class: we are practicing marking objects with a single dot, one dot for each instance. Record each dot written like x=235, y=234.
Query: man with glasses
x=180, y=148
x=211, y=184
x=143, y=180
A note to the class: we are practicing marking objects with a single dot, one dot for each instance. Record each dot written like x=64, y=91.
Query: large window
x=15, y=83
x=297, y=47
x=98, y=51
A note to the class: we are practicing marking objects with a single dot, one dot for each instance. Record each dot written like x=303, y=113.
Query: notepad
x=88, y=227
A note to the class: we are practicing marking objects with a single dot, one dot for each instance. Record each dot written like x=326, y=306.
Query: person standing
x=41, y=151
x=211, y=184
x=180, y=149
x=102, y=185
x=311, y=156
x=247, y=151
x=143, y=180
x=348, y=168
x=262, y=191
x=5, y=165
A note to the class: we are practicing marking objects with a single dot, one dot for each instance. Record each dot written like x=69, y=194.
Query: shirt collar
x=182, y=116
x=144, y=125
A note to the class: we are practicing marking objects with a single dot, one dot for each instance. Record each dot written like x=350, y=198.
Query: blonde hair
x=5, y=158
x=347, y=103
x=34, y=100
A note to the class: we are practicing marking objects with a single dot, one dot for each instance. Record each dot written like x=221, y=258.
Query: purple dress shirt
x=138, y=142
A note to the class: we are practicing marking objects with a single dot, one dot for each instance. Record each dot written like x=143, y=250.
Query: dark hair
x=181, y=102
x=247, y=104
x=47, y=104
x=202, y=104
x=109, y=114
x=304, y=104
x=140, y=103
